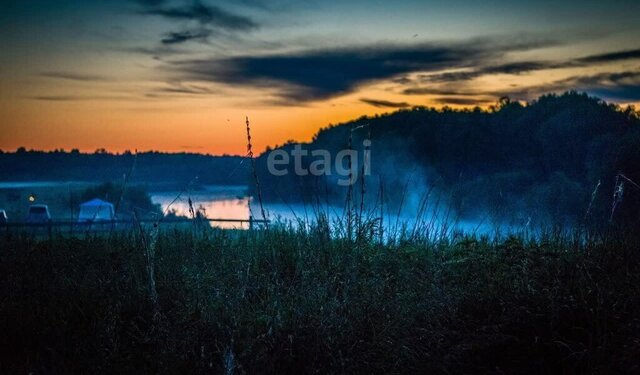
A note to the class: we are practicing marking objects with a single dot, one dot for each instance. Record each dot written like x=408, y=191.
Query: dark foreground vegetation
x=293, y=301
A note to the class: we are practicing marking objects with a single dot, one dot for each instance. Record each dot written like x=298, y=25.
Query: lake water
x=226, y=202
x=222, y=202
x=232, y=202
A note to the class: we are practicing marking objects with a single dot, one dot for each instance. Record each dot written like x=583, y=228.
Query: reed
x=254, y=172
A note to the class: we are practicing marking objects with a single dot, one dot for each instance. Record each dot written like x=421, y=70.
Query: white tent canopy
x=96, y=210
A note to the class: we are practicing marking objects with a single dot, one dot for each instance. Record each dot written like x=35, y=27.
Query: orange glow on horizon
x=213, y=125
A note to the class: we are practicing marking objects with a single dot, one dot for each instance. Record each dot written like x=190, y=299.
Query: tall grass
x=304, y=299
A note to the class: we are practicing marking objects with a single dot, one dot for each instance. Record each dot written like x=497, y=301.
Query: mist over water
x=422, y=213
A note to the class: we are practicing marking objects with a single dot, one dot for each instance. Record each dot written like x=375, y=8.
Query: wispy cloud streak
x=385, y=103
x=197, y=11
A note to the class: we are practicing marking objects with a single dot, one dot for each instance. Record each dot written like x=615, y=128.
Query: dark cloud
x=73, y=76
x=203, y=13
x=621, y=86
x=56, y=98
x=612, y=57
x=529, y=66
x=158, y=52
x=462, y=101
x=385, y=103
x=626, y=77
x=304, y=76
x=511, y=68
x=450, y=77
x=69, y=98
x=186, y=89
x=186, y=36
x=520, y=67
x=319, y=74
x=402, y=80
x=618, y=86
x=436, y=91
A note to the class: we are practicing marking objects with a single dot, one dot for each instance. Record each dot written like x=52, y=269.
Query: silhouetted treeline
x=544, y=160
x=149, y=167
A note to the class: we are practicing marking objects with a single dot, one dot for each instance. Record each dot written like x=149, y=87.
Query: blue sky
x=80, y=65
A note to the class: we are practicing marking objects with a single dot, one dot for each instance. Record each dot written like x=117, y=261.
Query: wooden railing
x=80, y=225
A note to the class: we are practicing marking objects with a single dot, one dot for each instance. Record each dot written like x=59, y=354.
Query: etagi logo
x=346, y=163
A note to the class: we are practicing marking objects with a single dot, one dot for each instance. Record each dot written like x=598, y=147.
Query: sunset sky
x=181, y=75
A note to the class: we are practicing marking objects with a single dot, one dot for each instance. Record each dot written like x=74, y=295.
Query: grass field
x=292, y=301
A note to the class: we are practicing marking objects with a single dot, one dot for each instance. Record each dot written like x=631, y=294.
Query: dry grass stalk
x=150, y=253
x=255, y=174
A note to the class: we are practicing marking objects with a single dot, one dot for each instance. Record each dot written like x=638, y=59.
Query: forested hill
x=542, y=159
x=149, y=167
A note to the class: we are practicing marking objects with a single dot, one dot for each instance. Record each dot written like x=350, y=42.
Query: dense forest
x=101, y=166
x=559, y=159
